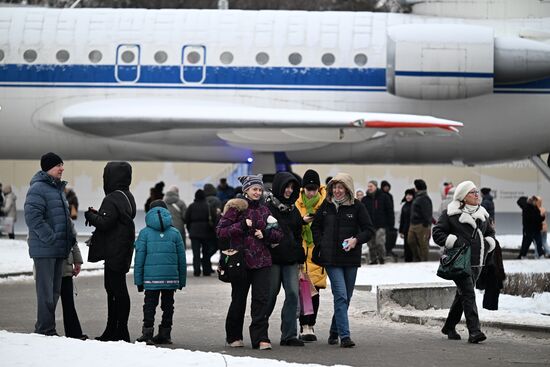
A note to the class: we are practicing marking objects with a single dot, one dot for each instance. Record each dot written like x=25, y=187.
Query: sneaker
x=308, y=334
x=476, y=337
x=292, y=342
x=451, y=333
x=347, y=343
x=333, y=338
x=265, y=346
x=237, y=344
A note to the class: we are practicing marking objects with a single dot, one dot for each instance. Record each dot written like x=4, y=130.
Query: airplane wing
x=253, y=127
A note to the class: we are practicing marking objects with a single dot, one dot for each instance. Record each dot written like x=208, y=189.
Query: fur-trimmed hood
x=240, y=204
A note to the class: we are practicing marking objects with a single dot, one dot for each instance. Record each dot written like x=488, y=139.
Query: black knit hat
x=420, y=185
x=311, y=177
x=49, y=161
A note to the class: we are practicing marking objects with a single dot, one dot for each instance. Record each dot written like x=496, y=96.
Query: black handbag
x=231, y=267
x=455, y=263
x=96, y=251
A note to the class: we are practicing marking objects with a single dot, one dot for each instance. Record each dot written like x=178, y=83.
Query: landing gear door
x=127, y=69
x=193, y=64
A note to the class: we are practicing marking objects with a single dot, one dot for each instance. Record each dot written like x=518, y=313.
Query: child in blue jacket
x=159, y=268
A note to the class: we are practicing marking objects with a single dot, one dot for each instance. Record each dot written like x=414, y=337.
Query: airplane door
x=127, y=68
x=193, y=64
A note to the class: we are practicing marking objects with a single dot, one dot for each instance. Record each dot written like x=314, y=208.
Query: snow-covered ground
x=37, y=350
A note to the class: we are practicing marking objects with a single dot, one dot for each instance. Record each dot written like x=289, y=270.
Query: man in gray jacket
x=50, y=237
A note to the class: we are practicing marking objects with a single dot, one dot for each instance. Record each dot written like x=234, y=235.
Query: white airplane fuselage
x=502, y=121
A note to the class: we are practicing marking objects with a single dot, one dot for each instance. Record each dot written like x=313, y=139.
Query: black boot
x=476, y=337
x=163, y=337
x=109, y=333
x=147, y=335
x=451, y=333
x=122, y=333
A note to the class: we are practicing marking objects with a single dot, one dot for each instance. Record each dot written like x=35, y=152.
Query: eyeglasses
x=474, y=192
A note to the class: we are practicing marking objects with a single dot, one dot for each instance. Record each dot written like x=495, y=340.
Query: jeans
x=166, y=305
x=342, y=282
x=259, y=280
x=288, y=276
x=528, y=238
x=465, y=301
x=70, y=317
x=49, y=272
x=209, y=248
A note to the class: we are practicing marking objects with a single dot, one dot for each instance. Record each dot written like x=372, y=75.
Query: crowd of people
x=300, y=230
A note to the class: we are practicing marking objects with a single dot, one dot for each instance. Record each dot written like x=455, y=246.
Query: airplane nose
x=520, y=60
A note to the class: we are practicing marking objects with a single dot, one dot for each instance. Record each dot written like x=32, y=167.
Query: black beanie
x=311, y=178
x=49, y=161
x=160, y=203
x=420, y=185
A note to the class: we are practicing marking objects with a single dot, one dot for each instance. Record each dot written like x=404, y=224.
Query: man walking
x=51, y=237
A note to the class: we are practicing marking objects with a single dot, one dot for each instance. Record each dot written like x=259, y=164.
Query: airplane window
x=161, y=57
x=226, y=58
x=1, y=55
x=95, y=56
x=30, y=55
x=262, y=58
x=62, y=56
x=360, y=59
x=295, y=58
x=328, y=59
x=128, y=56
x=193, y=57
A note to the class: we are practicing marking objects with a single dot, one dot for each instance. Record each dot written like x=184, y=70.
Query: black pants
x=310, y=320
x=407, y=250
x=166, y=305
x=465, y=301
x=70, y=317
x=118, y=303
x=259, y=279
x=209, y=248
x=528, y=238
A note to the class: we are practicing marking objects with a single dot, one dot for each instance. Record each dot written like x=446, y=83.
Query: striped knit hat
x=251, y=180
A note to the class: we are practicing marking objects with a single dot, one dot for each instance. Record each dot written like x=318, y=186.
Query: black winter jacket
x=422, y=210
x=530, y=216
x=200, y=219
x=114, y=221
x=331, y=227
x=289, y=250
x=455, y=228
x=405, y=219
x=380, y=208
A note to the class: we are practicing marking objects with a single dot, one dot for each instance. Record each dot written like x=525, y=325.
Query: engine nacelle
x=440, y=61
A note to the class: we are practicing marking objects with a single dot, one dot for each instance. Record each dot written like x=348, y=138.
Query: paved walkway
x=199, y=325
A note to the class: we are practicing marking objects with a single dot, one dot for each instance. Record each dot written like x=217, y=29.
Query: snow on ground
x=34, y=350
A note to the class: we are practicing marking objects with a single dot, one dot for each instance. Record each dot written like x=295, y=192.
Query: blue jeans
x=342, y=282
x=288, y=276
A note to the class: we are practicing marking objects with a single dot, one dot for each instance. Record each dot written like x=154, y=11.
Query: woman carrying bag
x=465, y=222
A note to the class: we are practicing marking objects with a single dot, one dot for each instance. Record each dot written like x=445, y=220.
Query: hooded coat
x=160, y=261
x=177, y=208
x=200, y=218
x=114, y=221
x=456, y=228
x=9, y=208
x=234, y=233
x=289, y=250
x=380, y=208
x=332, y=225
x=47, y=216
x=316, y=273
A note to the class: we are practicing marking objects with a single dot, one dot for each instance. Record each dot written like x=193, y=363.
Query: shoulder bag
x=231, y=267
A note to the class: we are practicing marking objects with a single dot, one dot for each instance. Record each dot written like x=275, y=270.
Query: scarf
x=470, y=209
x=307, y=235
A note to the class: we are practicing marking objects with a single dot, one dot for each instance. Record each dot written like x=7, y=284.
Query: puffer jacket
x=47, y=217
x=333, y=225
x=232, y=228
x=114, y=221
x=160, y=261
x=316, y=273
x=9, y=209
x=75, y=257
x=456, y=228
x=289, y=250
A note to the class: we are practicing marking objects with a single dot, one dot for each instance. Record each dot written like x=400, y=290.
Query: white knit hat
x=462, y=189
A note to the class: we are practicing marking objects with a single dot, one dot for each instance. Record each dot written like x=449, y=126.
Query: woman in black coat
x=340, y=226
x=465, y=222
x=113, y=241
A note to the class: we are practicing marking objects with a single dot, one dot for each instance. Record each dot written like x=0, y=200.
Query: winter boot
x=147, y=335
x=122, y=333
x=308, y=334
x=109, y=333
x=163, y=337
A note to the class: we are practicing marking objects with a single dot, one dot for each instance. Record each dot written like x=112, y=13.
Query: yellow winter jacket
x=316, y=273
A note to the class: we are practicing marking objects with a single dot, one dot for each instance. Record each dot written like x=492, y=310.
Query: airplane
x=274, y=86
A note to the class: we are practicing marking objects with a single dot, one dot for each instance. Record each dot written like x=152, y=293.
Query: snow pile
x=34, y=350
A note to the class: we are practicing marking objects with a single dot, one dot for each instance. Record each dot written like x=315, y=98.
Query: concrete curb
x=423, y=320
